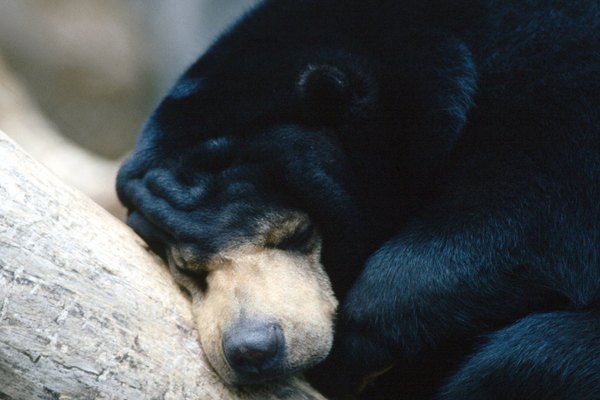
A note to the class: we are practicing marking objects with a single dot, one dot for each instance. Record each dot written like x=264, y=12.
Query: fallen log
x=86, y=311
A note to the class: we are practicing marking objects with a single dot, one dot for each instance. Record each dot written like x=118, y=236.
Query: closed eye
x=197, y=276
x=179, y=267
x=299, y=239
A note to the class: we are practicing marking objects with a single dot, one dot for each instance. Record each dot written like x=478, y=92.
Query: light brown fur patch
x=255, y=280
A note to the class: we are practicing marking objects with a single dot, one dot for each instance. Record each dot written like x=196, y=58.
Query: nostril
x=247, y=356
x=254, y=350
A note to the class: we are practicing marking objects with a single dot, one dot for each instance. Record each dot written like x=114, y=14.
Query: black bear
x=433, y=165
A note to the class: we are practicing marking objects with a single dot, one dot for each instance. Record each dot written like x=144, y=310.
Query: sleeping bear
x=432, y=166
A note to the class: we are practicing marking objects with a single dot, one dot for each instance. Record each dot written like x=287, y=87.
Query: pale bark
x=86, y=311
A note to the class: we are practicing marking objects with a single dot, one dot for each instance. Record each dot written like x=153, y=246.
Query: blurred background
x=78, y=77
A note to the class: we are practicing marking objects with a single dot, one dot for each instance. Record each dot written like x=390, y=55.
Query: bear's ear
x=330, y=93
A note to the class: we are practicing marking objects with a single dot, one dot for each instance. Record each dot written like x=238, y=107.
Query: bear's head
x=278, y=162
x=243, y=222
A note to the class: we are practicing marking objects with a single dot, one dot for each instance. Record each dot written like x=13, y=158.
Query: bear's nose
x=254, y=350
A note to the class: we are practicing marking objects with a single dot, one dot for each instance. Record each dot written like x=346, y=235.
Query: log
x=86, y=311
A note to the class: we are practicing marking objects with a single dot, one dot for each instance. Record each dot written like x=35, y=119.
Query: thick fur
x=447, y=151
x=551, y=356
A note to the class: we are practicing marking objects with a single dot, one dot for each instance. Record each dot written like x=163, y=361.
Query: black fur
x=552, y=356
x=449, y=151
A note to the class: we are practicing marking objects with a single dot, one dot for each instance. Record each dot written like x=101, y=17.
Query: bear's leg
x=550, y=356
x=426, y=294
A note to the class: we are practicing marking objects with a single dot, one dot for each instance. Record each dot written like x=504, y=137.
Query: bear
x=398, y=198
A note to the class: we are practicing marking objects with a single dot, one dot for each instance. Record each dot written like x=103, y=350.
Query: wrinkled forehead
x=264, y=230
x=263, y=165
x=180, y=140
x=249, y=222
x=212, y=192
